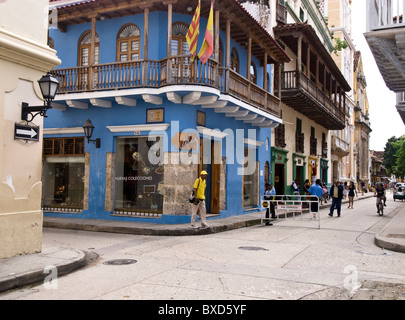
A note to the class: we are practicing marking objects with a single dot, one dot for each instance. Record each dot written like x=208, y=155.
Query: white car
x=399, y=191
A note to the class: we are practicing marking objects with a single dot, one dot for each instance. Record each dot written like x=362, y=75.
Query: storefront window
x=138, y=183
x=63, y=175
x=250, y=180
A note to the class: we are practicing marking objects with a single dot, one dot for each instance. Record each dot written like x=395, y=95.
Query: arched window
x=235, y=60
x=179, y=43
x=128, y=43
x=84, y=49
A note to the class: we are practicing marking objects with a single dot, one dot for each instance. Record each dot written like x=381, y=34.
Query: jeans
x=336, y=202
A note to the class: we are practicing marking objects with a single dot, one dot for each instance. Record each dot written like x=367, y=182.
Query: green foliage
x=339, y=46
x=394, y=156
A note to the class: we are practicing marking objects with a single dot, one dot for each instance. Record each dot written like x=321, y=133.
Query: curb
x=386, y=242
x=39, y=275
x=241, y=221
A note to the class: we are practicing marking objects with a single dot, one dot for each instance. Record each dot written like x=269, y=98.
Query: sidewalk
x=28, y=269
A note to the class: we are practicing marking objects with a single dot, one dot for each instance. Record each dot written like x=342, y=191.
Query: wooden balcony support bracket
x=126, y=101
x=216, y=105
x=101, y=103
x=77, y=104
x=174, y=97
x=152, y=99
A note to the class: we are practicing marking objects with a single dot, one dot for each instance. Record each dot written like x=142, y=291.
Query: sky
x=384, y=118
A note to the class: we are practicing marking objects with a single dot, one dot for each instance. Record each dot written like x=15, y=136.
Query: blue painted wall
x=66, y=45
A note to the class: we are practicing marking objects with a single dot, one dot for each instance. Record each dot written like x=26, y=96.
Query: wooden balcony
x=303, y=95
x=177, y=70
x=340, y=147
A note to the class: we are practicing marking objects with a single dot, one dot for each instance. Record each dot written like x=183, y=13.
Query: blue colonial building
x=158, y=118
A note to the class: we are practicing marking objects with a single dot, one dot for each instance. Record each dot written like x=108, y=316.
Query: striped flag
x=193, y=32
x=208, y=45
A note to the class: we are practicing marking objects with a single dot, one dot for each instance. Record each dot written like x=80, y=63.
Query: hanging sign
x=26, y=132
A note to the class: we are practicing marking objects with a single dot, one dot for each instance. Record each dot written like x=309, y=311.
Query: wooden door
x=215, y=176
x=214, y=173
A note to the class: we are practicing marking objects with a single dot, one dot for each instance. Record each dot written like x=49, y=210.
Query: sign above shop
x=26, y=132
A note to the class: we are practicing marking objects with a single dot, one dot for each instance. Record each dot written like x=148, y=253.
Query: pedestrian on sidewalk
x=336, y=192
x=325, y=192
x=352, y=192
x=316, y=190
x=269, y=194
x=199, y=204
x=296, y=187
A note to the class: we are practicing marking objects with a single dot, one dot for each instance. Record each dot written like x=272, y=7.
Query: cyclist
x=380, y=193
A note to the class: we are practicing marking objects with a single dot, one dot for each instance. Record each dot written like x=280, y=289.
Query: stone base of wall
x=20, y=233
x=178, y=183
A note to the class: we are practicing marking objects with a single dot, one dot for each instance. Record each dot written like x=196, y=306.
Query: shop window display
x=63, y=175
x=138, y=183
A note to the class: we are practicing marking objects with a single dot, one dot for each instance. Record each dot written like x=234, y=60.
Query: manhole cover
x=254, y=248
x=119, y=262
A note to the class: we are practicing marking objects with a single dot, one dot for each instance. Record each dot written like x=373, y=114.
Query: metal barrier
x=306, y=207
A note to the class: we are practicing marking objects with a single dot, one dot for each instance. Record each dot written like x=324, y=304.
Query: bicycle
x=380, y=206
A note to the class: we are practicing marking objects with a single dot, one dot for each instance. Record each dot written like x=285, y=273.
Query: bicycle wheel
x=380, y=208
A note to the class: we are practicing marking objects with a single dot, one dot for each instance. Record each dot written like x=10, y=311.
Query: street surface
x=290, y=260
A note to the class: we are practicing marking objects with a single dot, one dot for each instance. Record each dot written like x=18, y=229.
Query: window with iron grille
x=63, y=146
x=279, y=136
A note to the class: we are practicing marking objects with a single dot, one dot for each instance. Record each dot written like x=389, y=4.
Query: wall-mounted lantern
x=88, y=132
x=48, y=85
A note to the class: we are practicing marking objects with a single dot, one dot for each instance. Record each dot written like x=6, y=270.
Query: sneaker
x=193, y=226
x=205, y=225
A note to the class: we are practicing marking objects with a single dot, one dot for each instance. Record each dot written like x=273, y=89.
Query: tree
x=389, y=155
x=394, y=156
x=400, y=157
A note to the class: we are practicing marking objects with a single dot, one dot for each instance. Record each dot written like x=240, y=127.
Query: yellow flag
x=208, y=45
x=193, y=32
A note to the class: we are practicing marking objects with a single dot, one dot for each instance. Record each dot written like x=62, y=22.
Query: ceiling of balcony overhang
x=388, y=48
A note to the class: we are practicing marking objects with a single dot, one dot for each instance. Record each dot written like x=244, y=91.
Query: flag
x=208, y=45
x=193, y=32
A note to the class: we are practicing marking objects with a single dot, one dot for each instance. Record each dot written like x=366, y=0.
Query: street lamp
x=88, y=132
x=48, y=85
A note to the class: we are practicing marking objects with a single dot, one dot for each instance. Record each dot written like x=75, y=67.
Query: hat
x=203, y=172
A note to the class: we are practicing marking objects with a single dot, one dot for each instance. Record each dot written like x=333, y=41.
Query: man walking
x=269, y=194
x=336, y=192
x=316, y=190
x=199, y=204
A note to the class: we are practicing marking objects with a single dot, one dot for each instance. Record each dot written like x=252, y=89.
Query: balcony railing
x=385, y=14
x=340, y=147
x=297, y=87
x=169, y=71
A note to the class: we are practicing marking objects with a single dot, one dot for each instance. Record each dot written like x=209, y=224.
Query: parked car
x=399, y=191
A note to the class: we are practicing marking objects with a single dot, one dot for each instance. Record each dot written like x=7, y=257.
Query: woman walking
x=352, y=191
